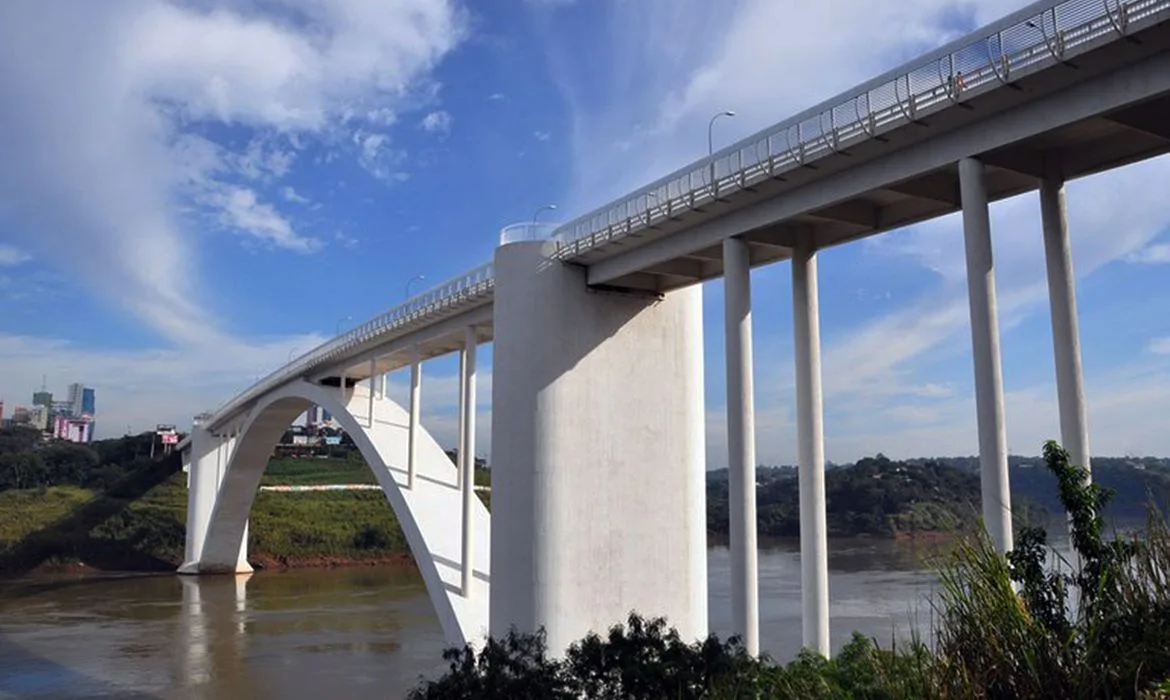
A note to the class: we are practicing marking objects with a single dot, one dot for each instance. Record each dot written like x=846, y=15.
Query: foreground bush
x=1019, y=626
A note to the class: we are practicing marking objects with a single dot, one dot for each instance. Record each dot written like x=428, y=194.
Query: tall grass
x=1010, y=626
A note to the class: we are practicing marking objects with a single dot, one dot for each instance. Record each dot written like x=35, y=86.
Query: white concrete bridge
x=598, y=447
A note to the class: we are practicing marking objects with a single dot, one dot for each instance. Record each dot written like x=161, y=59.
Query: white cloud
x=541, y=135
x=495, y=96
x=97, y=157
x=240, y=209
x=11, y=255
x=377, y=157
x=438, y=122
x=290, y=194
x=1159, y=346
x=1151, y=255
x=264, y=161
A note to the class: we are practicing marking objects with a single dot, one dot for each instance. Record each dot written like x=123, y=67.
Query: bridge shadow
x=70, y=537
x=24, y=674
x=452, y=564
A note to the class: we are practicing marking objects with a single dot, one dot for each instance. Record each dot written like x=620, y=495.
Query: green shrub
x=1006, y=627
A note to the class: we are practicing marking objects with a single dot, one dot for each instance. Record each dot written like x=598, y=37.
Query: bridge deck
x=1106, y=105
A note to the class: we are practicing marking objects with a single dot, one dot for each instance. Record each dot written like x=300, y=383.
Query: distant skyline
x=193, y=193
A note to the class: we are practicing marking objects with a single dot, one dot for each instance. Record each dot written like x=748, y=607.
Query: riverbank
x=63, y=527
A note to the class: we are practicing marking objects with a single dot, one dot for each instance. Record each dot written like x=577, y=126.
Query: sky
x=194, y=191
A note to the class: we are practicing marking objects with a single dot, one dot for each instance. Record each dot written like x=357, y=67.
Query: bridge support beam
x=993, y=462
x=1062, y=299
x=202, y=483
x=415, y=406
x=210, y=456
x=741, y=443
x=467, y=459
x=814, y=545
x=598, y=453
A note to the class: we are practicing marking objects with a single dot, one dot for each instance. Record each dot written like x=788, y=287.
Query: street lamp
x=711, y=147
x=337, y=326
x=711, y=125
x=550, y=207
x=412, y=280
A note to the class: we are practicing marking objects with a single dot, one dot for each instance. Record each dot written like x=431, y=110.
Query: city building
x=72, y=429
x=43, y=398
x=76, y=397
x=39, y=417
x=317, y=416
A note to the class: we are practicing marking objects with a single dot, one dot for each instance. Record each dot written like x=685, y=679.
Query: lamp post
x=337, y=326
x=711, y=126
x=412, y=280
x=549, y=207
x=711, y=144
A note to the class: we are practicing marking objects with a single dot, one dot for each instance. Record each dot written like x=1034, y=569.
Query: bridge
x=597, y=396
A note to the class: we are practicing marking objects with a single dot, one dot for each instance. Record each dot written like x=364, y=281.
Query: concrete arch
x=429, y=513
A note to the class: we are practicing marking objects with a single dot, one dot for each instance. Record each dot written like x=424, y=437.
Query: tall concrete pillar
x=598, y=453
x=203, y=483
x=993, y=462
x=741, y=443
x=415, y=407
x=1062, y=300
x=814, y=544
x=467, y=459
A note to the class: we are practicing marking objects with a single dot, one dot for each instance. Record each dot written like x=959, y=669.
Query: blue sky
x=191, y=192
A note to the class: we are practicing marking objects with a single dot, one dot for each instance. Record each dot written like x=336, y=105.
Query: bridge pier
x=741, y=444
x=1062, y=299
x=598, y=453
x=993, y=462
x=814, y=545
x=210, y=456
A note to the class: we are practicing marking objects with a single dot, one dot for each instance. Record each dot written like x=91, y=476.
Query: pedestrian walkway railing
x=433, y=303
x=1042, y=35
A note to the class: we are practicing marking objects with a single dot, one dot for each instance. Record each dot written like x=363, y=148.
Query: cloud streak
x=99, y=111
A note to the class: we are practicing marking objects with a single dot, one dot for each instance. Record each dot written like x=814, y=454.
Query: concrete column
x=993, y=464
x=741, y=443
x=461, y=447
x=598, y=453
x=814, y=546
x=370, y=401
x=227, y=451
x=1062, y=300
x=467, y=458
x=415, y=406
x=201, y=494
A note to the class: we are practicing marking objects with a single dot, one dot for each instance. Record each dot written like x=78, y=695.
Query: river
x=357, y=632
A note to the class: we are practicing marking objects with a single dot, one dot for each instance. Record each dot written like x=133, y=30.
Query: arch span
x=429, y=513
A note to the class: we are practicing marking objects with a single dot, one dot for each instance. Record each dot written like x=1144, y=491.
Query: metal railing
x=527, y=231
x=1041, y=35
x=465, y=287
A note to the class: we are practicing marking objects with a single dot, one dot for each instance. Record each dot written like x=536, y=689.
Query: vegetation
x=990, y=641
x=110, y=506
x=880, y=497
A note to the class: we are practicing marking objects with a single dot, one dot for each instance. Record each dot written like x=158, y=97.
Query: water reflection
x=211, y=641
x=357, y=633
